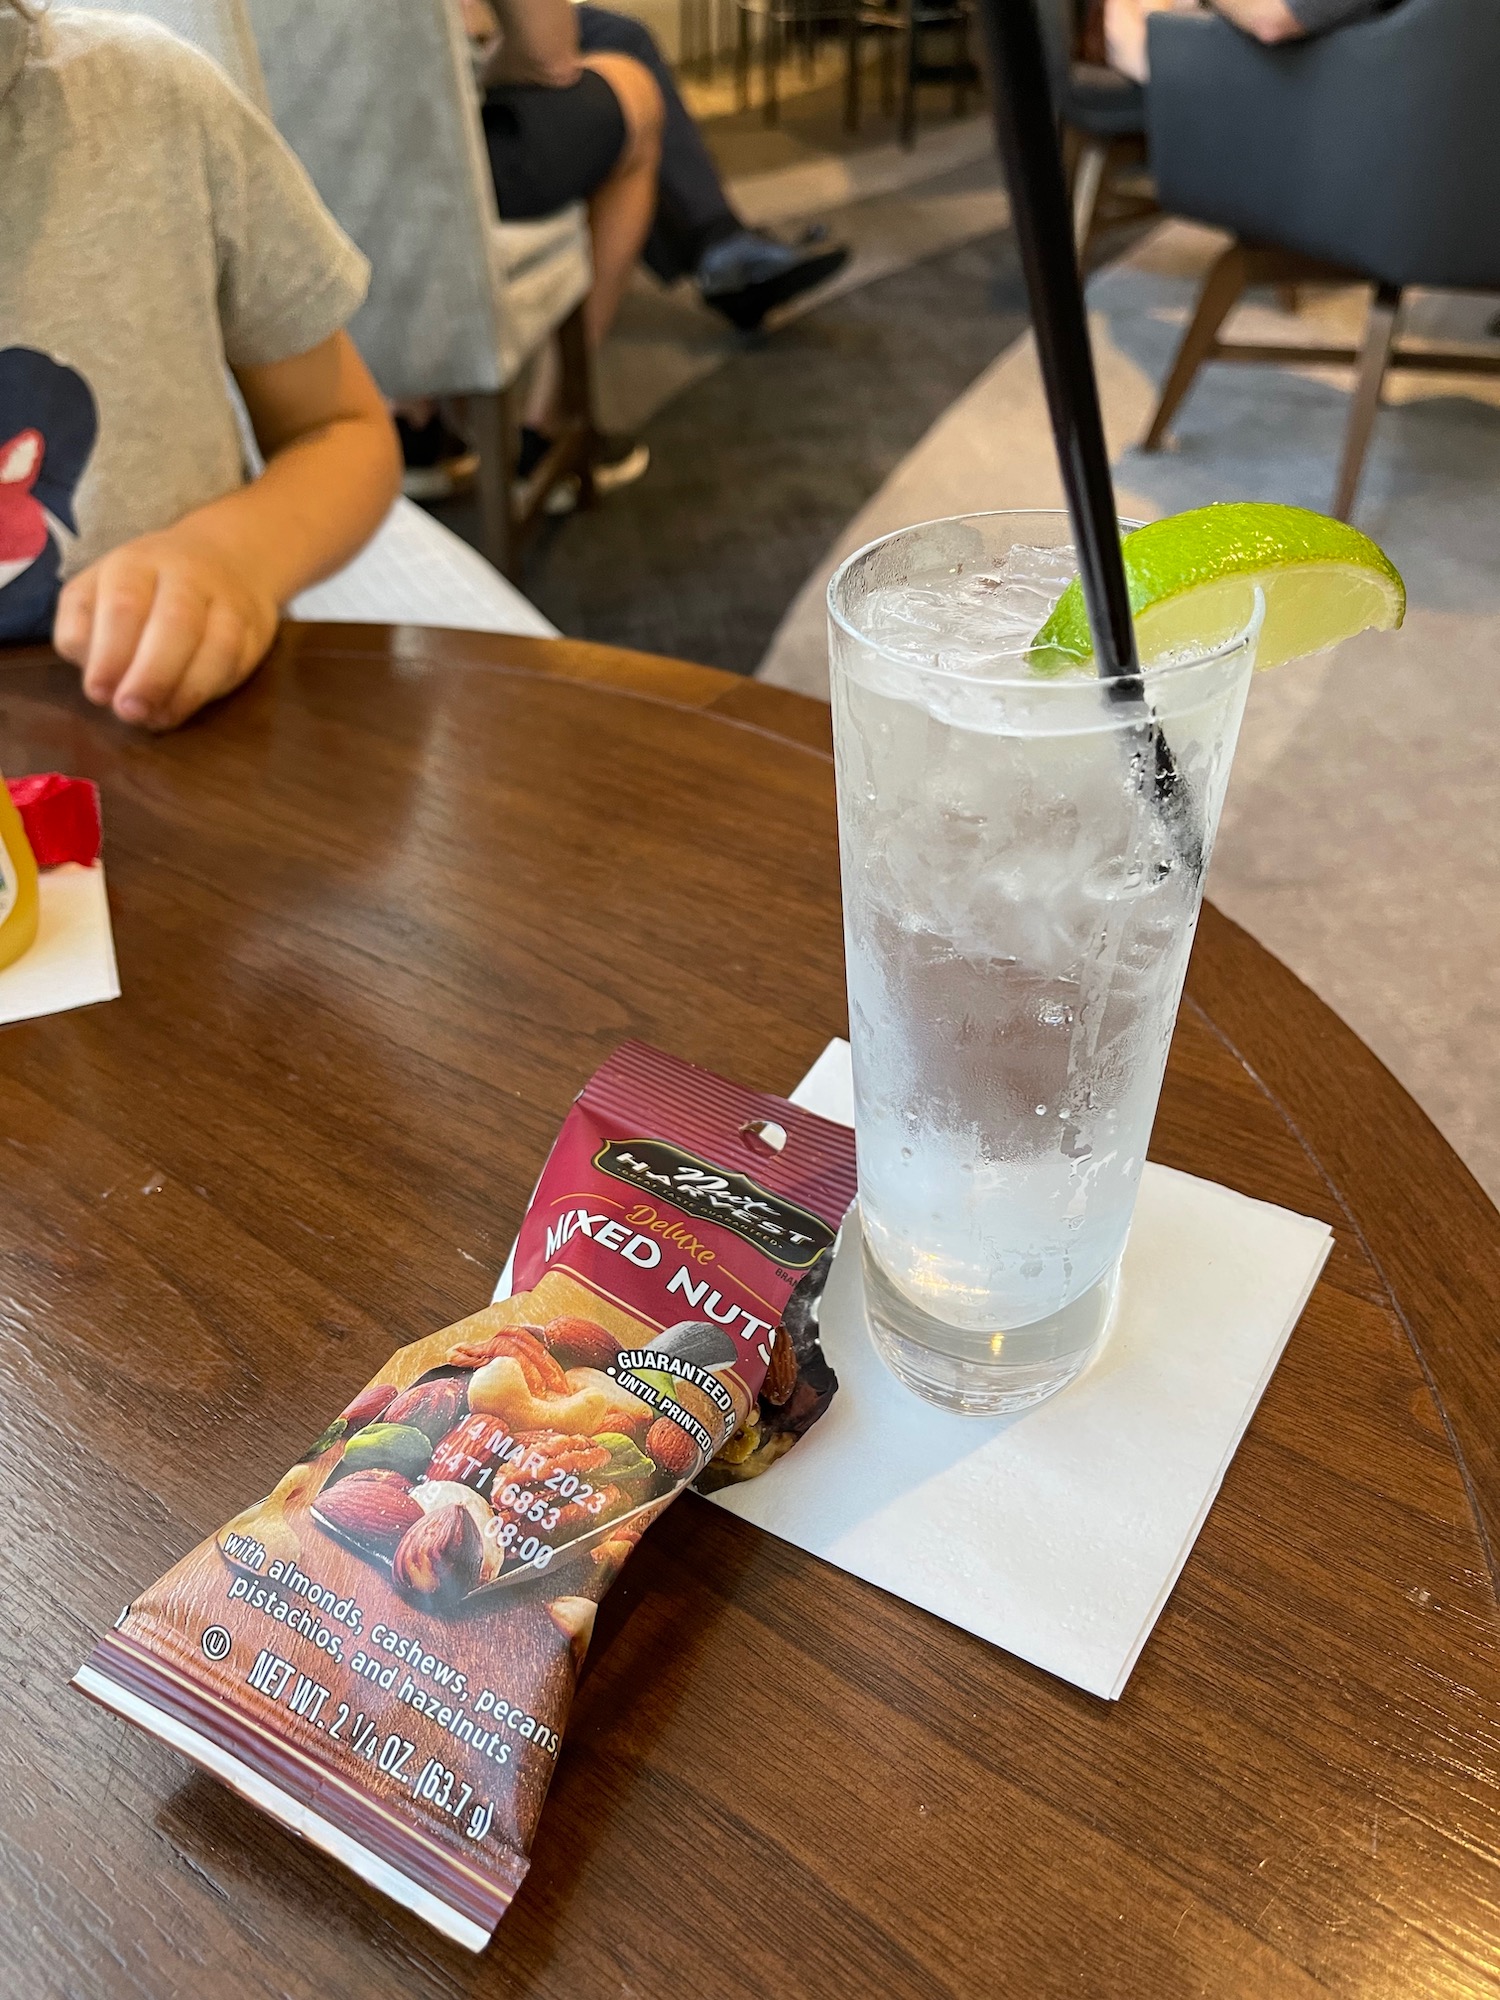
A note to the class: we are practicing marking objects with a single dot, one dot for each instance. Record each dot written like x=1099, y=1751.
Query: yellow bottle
x=18, y=899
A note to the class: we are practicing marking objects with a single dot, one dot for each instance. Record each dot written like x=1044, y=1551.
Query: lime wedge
x=1193, y=576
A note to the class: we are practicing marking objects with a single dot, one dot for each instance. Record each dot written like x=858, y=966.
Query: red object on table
x=60, y=815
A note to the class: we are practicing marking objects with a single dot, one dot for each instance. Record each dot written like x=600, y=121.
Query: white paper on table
x=1058, y=1533
x=414, y=571
x=72, y=963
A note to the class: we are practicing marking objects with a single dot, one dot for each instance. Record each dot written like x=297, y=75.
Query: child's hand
x=163, y=624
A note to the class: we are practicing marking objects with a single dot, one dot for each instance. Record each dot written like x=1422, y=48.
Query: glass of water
x=1021, y=887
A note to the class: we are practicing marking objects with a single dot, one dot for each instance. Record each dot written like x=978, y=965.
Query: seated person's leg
x=550, y=146
x=597, y=140
x=1125, y=34
x=621, y=208
x=696, y=232
x=1270, y=21
x=1274, y=21
x=692, y=209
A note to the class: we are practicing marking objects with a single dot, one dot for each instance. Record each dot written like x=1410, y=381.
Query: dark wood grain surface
x=377, y=919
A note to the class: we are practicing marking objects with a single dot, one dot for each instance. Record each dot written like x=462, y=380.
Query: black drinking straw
x=1026, y=128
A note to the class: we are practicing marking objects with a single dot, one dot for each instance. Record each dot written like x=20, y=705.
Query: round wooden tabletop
x=377, y=919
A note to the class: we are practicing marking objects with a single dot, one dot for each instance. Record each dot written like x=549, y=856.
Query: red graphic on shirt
x=23, y=525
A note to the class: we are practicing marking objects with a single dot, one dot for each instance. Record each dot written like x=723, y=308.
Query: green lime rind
x=1208, y=545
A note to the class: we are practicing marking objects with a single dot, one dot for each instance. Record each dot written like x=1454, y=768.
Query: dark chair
x=905, y=27
x=784, y=25
x=1103, y=120
x=1370, y=155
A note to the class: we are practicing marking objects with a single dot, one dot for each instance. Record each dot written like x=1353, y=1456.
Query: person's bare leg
x=1125, y=37
x=620, y=213
x=620, y=216
x=1125, y=23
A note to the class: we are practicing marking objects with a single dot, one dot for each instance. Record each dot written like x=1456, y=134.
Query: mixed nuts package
x=382, y=1652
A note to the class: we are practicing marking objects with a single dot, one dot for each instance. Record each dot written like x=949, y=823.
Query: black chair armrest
x=1103, y=103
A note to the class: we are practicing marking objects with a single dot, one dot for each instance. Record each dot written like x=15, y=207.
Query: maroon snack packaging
x=382, y=1653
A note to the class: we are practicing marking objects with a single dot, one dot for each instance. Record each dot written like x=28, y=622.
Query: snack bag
x=382, y=1652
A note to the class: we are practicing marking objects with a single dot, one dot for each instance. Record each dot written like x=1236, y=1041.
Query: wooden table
x=377, y=919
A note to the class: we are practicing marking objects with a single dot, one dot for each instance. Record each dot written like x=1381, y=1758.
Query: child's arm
x=169, y=621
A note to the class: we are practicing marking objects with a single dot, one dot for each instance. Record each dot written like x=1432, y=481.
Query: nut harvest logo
x=781, y=1230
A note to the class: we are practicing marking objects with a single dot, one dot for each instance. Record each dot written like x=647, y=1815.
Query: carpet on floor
x=1360, y=842
x=758, y=464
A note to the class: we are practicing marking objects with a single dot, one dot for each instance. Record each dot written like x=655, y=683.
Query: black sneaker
x=748, y=275
x=436, y=462
x=534, y=447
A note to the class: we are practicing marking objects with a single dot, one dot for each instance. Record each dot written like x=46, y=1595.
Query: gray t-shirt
x=153, y=228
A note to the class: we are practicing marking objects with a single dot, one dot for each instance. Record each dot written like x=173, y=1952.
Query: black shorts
x=551, y=147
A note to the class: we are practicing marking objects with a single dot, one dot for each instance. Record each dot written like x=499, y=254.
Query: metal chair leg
x=771, y=65
x=908, y=73
x=1375, y=358
x=961, y=65
x=852, y=79
x=1222, y=287
x=742, y=61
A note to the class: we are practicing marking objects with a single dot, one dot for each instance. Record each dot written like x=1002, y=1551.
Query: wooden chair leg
x=1088, y=179
x=1072, y=146
x=908, y=74
x=494, y=424
x=1221, y=288
x=887, y=73
x=1375, y=358
x=577, y=398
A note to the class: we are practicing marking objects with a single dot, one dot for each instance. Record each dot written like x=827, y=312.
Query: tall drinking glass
x=1020, y=896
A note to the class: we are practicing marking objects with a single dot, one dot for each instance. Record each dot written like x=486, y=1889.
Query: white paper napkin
x=72, y=963
x=1059, y=1533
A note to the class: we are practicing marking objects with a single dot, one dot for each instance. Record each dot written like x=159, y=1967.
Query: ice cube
x=973, y=620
